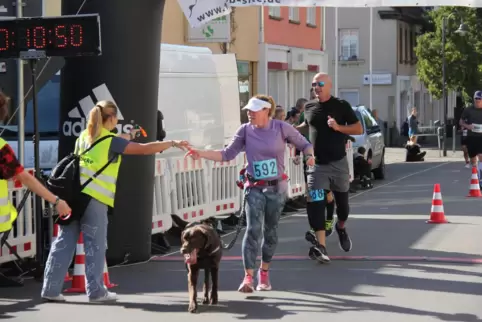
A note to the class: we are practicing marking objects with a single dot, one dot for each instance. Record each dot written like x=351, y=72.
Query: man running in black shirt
x=471, y=120
x=329, y=120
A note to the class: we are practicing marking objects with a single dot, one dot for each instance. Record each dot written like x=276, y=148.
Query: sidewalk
x=396, y=155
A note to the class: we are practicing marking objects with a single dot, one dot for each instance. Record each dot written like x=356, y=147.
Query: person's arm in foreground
x=134, y=148
x=11, y=168
x=300, y=142
x=353, y=125
x=462, y=121
x=228, y=153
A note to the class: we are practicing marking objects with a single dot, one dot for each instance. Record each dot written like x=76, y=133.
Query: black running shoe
x=345, y=241
x=310, y=237
x=319, y=254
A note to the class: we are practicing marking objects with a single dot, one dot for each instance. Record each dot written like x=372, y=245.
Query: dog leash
x=242, y=219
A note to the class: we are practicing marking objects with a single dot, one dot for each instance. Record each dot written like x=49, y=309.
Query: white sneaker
x=108, y=297
x=467, y=165
x=58, y=298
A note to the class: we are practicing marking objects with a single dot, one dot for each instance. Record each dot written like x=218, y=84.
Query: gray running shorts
x=334, y=176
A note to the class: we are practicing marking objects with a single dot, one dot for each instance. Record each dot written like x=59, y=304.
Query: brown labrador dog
x=201, y=248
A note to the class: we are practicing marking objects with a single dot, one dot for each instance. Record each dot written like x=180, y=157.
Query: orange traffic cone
x=437, y=215
x=54, y=237
x=78, y=280
x=107, y=282
x=474, y=189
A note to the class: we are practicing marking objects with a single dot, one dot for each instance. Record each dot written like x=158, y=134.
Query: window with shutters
x=294, y=14
x=274, y=12
x=311, y=16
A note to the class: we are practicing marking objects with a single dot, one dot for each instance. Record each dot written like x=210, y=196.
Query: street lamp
x=461, y=31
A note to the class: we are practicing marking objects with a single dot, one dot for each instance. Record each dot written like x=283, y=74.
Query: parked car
x=372, y=140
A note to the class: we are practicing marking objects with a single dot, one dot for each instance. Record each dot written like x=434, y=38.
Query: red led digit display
x=60, y=36
x=4, y=39
x=54, y=36
x=39, y=35
x=76, y=35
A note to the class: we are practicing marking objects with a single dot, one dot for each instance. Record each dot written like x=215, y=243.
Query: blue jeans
x=263, y=211
x=93, y=225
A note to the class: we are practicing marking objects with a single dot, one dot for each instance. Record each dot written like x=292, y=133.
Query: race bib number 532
x=265, y=169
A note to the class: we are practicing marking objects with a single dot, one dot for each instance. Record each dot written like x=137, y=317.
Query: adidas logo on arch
x=81, y=112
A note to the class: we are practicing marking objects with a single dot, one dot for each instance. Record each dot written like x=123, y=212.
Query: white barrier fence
x=193, y=190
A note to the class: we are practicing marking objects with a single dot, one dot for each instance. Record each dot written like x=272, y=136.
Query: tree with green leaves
x=463, y=53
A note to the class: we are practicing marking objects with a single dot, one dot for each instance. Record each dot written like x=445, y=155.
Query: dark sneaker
x=329, y=224
x=345, y=241
x=319, y=253
x=310, y=237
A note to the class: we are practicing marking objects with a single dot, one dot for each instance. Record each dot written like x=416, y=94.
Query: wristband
x=57, y=200
x=307, y=156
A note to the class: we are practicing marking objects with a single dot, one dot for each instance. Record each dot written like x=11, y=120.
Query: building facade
x=395, y=86
x=244, y=31
x=291, y=52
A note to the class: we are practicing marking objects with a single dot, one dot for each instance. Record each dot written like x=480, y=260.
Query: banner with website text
x=199, y=12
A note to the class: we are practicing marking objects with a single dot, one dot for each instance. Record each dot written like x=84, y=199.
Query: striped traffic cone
x=474, y=189
x=78, y=280
x=55, y=234
x=107, y=282
x=437, y=214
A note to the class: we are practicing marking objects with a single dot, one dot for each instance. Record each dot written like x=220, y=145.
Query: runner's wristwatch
x=307, y=156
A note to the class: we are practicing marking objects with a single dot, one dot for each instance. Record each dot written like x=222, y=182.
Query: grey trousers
x=94, y=229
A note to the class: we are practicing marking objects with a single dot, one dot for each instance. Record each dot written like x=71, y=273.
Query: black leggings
x=316, y=210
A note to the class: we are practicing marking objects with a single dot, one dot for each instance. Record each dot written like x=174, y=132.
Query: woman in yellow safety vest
x=95, y=199
x=11, y=168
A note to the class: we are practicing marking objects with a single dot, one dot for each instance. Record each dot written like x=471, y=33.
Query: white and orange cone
x=437, y=213
x=107, y=282
x=78, y=279
x=474, y=189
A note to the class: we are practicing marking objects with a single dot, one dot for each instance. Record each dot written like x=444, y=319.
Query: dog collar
x=215, y=250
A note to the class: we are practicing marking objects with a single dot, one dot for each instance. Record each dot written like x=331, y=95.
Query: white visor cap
x=256, y=105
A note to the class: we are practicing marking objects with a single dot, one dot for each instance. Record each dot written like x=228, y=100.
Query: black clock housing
x=64, y=36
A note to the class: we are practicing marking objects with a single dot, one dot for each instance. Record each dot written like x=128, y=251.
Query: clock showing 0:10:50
x=55, y=36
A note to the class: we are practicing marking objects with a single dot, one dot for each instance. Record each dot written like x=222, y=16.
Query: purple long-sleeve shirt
x=265, y=147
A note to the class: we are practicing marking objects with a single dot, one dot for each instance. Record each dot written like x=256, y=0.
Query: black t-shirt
x=329, y=144
x=473, y=115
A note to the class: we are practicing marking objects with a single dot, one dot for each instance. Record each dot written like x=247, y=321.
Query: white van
x=198, y=96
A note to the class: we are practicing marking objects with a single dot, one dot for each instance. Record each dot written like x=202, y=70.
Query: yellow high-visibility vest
x=102, y=187
x=8, y=213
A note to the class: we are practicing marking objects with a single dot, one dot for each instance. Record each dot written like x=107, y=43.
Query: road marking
x=431, y=259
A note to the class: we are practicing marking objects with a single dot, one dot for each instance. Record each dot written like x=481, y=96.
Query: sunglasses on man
x=320, y=84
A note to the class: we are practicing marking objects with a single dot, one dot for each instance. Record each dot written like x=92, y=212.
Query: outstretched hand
x=193, y=153
x=183, y=145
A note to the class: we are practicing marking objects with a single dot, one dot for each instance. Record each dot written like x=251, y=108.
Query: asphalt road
x=389, y=278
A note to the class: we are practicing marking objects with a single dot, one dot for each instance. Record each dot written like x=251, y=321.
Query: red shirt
x=9, y=165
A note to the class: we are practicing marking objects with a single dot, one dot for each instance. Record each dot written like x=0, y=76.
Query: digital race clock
x=52, y=36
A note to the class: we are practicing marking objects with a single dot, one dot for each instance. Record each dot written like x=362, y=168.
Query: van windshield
x=48, y=102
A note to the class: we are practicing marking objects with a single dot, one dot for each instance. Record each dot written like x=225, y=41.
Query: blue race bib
x=317, y=195
x=265, y=169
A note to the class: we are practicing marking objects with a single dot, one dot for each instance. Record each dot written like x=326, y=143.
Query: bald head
x=322, y=77
x=322, y=86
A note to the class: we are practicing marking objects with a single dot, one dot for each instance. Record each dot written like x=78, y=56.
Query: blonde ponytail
x=97, y=116
x=94, y=125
